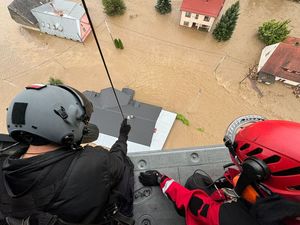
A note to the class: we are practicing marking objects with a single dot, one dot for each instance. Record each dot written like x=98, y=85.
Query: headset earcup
x=254, y=170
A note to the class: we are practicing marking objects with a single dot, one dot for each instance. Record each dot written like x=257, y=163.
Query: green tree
x=118, y=43
x=273, y=31
x=121, y=44
x=225, y=27
x=163, y=6
x=114, y=7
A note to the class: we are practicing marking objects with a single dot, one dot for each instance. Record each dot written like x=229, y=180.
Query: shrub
x=121, y=46
x=118, y=43
x=272, y=32
x=163, y=6
x=183, y=119
x=224, y=29
x=114, y=7
x=54, y=81
x=201, y=129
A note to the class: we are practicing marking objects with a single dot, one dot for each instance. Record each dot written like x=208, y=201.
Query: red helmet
x=277, y=143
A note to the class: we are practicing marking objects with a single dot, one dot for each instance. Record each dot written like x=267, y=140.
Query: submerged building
x=200, y=13
x=280, y=62
x=150, y=124
x=61, y=18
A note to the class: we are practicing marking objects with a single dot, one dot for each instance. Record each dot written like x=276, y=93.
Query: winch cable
x=101, y=54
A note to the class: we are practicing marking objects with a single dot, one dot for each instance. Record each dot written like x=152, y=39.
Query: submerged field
x=181, y=69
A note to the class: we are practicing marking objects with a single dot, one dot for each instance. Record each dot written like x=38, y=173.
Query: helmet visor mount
x=90, y=131
x=234, y=128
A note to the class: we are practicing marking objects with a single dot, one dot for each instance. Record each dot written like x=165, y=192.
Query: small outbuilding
x=20, y=11
x=150, y=124
x=60, y=18
x=200, y=14
x=280, y=62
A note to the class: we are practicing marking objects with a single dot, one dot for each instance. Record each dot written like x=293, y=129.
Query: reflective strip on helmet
x=36, y=86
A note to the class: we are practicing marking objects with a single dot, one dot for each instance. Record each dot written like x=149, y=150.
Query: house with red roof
x=280, y=62
x=200, y=13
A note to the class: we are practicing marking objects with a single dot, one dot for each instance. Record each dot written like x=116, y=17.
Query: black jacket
x=75, y=185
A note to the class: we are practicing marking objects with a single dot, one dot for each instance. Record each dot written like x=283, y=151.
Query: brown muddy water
x=181, y=69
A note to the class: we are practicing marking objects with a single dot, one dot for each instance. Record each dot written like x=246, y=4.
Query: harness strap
x=124, y=219
x=64, y=181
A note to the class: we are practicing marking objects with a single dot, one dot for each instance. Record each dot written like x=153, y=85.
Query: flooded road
x=181, y=69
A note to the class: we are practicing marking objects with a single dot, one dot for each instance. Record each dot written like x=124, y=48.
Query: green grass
x=55, y=81
x=201, y=129
x=182, y=119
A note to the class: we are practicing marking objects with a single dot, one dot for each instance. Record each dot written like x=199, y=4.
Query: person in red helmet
x=275, y=142
x=265, y=190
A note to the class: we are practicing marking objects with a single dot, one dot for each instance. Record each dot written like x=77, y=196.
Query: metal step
x=151, y=207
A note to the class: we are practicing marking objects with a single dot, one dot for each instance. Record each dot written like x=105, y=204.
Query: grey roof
x=72, y=9
x=20, y=11
x=108, y=118
x=6, y=138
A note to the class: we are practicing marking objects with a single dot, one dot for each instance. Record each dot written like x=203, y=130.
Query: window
x=206, y=18
x=197, y=16
x=187, y=14
x=185, y=23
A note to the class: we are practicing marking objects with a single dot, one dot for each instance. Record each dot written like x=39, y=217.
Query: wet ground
x=181, y=69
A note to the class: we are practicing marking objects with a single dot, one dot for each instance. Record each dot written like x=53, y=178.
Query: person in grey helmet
x=54, y=180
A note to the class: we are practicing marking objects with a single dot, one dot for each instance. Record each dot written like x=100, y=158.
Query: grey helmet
x=59, y=114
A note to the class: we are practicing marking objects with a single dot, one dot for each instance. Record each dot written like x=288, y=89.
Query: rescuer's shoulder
x=94, y=147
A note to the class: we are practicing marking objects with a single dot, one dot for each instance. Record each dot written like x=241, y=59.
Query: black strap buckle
x=113, y=216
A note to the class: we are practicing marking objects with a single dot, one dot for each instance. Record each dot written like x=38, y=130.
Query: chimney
x=56, y=11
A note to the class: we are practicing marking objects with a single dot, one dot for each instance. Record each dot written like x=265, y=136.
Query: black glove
x=124, y=130
x=150, y=178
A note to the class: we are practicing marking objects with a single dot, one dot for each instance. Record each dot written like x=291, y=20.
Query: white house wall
x=65, y=26
x=199, y=22
x=163, y=127
x=107, y=141
x=284, y=80
x=266, y=54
